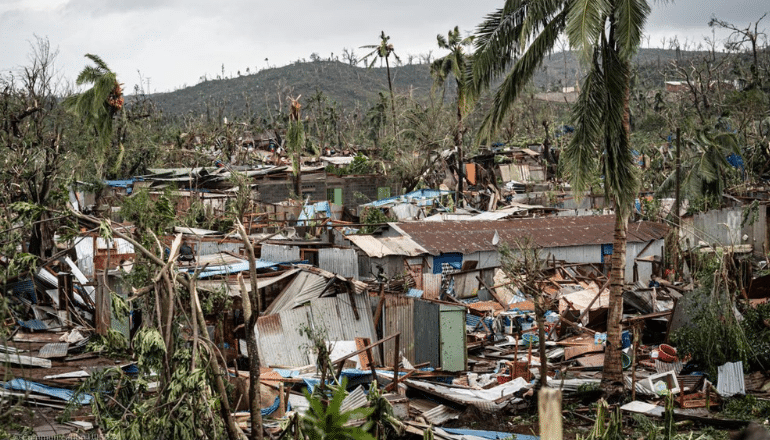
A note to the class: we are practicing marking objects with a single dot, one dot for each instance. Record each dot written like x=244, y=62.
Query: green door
x=453, y=347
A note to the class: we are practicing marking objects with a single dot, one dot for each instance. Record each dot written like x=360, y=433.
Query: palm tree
x=706, y=168
x=513, y=41
x=99, y=104
x=384, y=50
x=456, y=63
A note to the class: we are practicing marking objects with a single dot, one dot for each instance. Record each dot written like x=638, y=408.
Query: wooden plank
x=364, y=358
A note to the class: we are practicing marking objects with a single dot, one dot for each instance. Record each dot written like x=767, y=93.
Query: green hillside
x=354, y=86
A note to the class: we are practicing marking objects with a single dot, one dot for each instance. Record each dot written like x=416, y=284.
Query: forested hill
x=352, y=85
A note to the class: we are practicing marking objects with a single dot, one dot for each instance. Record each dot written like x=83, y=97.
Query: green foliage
x=384, y=422
x=99, y=104
x=113, y=344
x=608, y=426
x=213, y=301
x=373, y=217
x=360, y=165
x=327, y=422
x=148, y=214
x=747, y=408
x=149, y=349
x=184, y=409
x=715, y=335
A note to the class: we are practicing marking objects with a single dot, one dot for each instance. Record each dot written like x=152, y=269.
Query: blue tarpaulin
x=274, y=407
x=422, y=197
x=309, y=212
x=491, y=435
x=59, y=393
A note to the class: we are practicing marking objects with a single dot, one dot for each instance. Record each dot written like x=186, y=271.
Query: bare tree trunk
x=392, y=99
x=252, y=308
x=224, y=404
x=459, y=144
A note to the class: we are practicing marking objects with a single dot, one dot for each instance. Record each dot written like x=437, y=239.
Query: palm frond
x=96, y=59
x=520, y=74
x=585, y=23
x=579, y=158
x=621, y=176
x=497, y=43
x=630, y=16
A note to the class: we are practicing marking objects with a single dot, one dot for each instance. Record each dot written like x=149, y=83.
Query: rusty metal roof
x=547, y=232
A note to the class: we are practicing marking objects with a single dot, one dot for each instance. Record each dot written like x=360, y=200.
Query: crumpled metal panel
x=356, y=399
x=280, y=343
x=730, y=380
x=304, y=287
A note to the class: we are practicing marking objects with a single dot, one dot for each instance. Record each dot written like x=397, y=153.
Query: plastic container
x=530, y=339
x=625, y=339
x=626, y=359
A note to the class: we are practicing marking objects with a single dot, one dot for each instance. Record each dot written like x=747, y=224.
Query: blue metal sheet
x=33, y=324
x=414, y=293
x=59, y=393
x=491, y=435
x=23, y=289
x=232, y=268
x=421, y=196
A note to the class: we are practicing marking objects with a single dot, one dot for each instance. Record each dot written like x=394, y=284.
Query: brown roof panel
x=547, y=232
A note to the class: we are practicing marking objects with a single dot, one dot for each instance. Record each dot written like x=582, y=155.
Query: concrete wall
x=355, y=189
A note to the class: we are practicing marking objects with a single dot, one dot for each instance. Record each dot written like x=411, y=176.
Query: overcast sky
x=172, y=43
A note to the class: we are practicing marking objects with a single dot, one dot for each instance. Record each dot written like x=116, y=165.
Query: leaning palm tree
x=99, y=104
x=456, y=63
x=513, y=41
x=383, y=51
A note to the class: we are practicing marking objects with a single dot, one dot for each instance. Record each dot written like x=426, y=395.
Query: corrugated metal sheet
x=405, y=211
x=730, y=380
x=431, y=285
x=84, y=249
x=378, y=247
x=280, y=343
x=467, y=237
x=282, y=253
x=233, y=288
x=337, y=316
x=304, y=287
x=356, y=399
x=440, y=414
x=426, y=333
x=398, y=316
x=339, y=261
x=206, y=247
